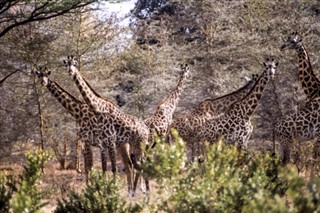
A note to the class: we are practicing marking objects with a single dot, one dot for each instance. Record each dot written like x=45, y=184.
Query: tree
x=15, y=13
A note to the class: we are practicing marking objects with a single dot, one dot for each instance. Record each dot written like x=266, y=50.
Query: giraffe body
x=159, y=122
x=189, y=124
x=126, y=132
x=303, y=125
x=85, y=118
x=235, y=125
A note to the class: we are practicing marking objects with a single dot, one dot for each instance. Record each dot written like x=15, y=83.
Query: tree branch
x=39, y=13
x=5, y=78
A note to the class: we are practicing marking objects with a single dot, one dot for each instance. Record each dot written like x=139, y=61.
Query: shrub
x=28, y=197
x=165, y=161
x=7, y=189
x=100, y=195
x=227, y=180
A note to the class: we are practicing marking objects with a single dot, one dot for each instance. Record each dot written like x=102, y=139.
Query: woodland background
x=223, y=41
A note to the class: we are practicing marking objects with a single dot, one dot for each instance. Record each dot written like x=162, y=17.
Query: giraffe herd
x=102, y=124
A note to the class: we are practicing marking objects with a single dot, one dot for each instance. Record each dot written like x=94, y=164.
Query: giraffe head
x=71, y=64
x=292, y=42
x=43, y=75
x=270, y=66
x=184, y=70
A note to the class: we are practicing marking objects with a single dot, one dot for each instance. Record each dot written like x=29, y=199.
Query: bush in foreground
x=23, y=194
x=227, y=181
x=100, y=195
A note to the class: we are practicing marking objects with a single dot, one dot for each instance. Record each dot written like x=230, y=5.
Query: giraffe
x=188, y=124
x=159, y=122
x=234, y=125
x=301, y=125
x=310, y=83
x=127, y=132
x=85, y=118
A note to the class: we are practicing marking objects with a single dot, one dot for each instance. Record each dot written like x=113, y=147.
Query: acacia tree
x=16, y=13
x=26, y=43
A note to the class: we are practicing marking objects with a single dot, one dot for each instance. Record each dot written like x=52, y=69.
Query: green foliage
x=165, y=161
x=305, y=195
x=302, y=196
x=28, y=197
x=7, y=189
x=227, y=180
x=100, y=195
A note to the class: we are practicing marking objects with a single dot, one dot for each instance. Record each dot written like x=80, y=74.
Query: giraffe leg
x=316, y=147
x=103, y=153
x=286, y=149
x=138, y=177
x=128, y=166
x=136, y=158
x=112, y=153
x=191, y=145
x=88, y=160
x=78, y=151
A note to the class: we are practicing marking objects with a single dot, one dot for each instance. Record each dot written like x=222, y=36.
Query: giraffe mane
x=309, y=63
x=71, y=96
x=96, y=94
x=231, y=93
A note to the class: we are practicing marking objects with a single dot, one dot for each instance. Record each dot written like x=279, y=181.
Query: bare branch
x=44, y=11
x=5, y=78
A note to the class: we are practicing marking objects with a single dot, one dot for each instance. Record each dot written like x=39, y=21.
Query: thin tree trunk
x=40, y=116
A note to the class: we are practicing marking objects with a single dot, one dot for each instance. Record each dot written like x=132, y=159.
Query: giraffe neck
x=90, y=96
x=68, y=101
x=246, y=106
x=310, y=83
x=169, y=105
x=214, y=107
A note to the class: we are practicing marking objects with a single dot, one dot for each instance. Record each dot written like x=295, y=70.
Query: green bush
x=28, y=197
x=165, y=162
x=7, y=189
x=227, y=180
x=100, y=195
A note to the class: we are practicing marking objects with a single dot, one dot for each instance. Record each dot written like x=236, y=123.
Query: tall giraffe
x=188, y=124
x=235, y=125
x=302, y=125
x=85, y=118
x=310, y=83
x=159, y=122
x=127, y=132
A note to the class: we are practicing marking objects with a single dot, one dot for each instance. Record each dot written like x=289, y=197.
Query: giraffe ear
x=48, y=73
x=37, y=73
x=277, y=63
